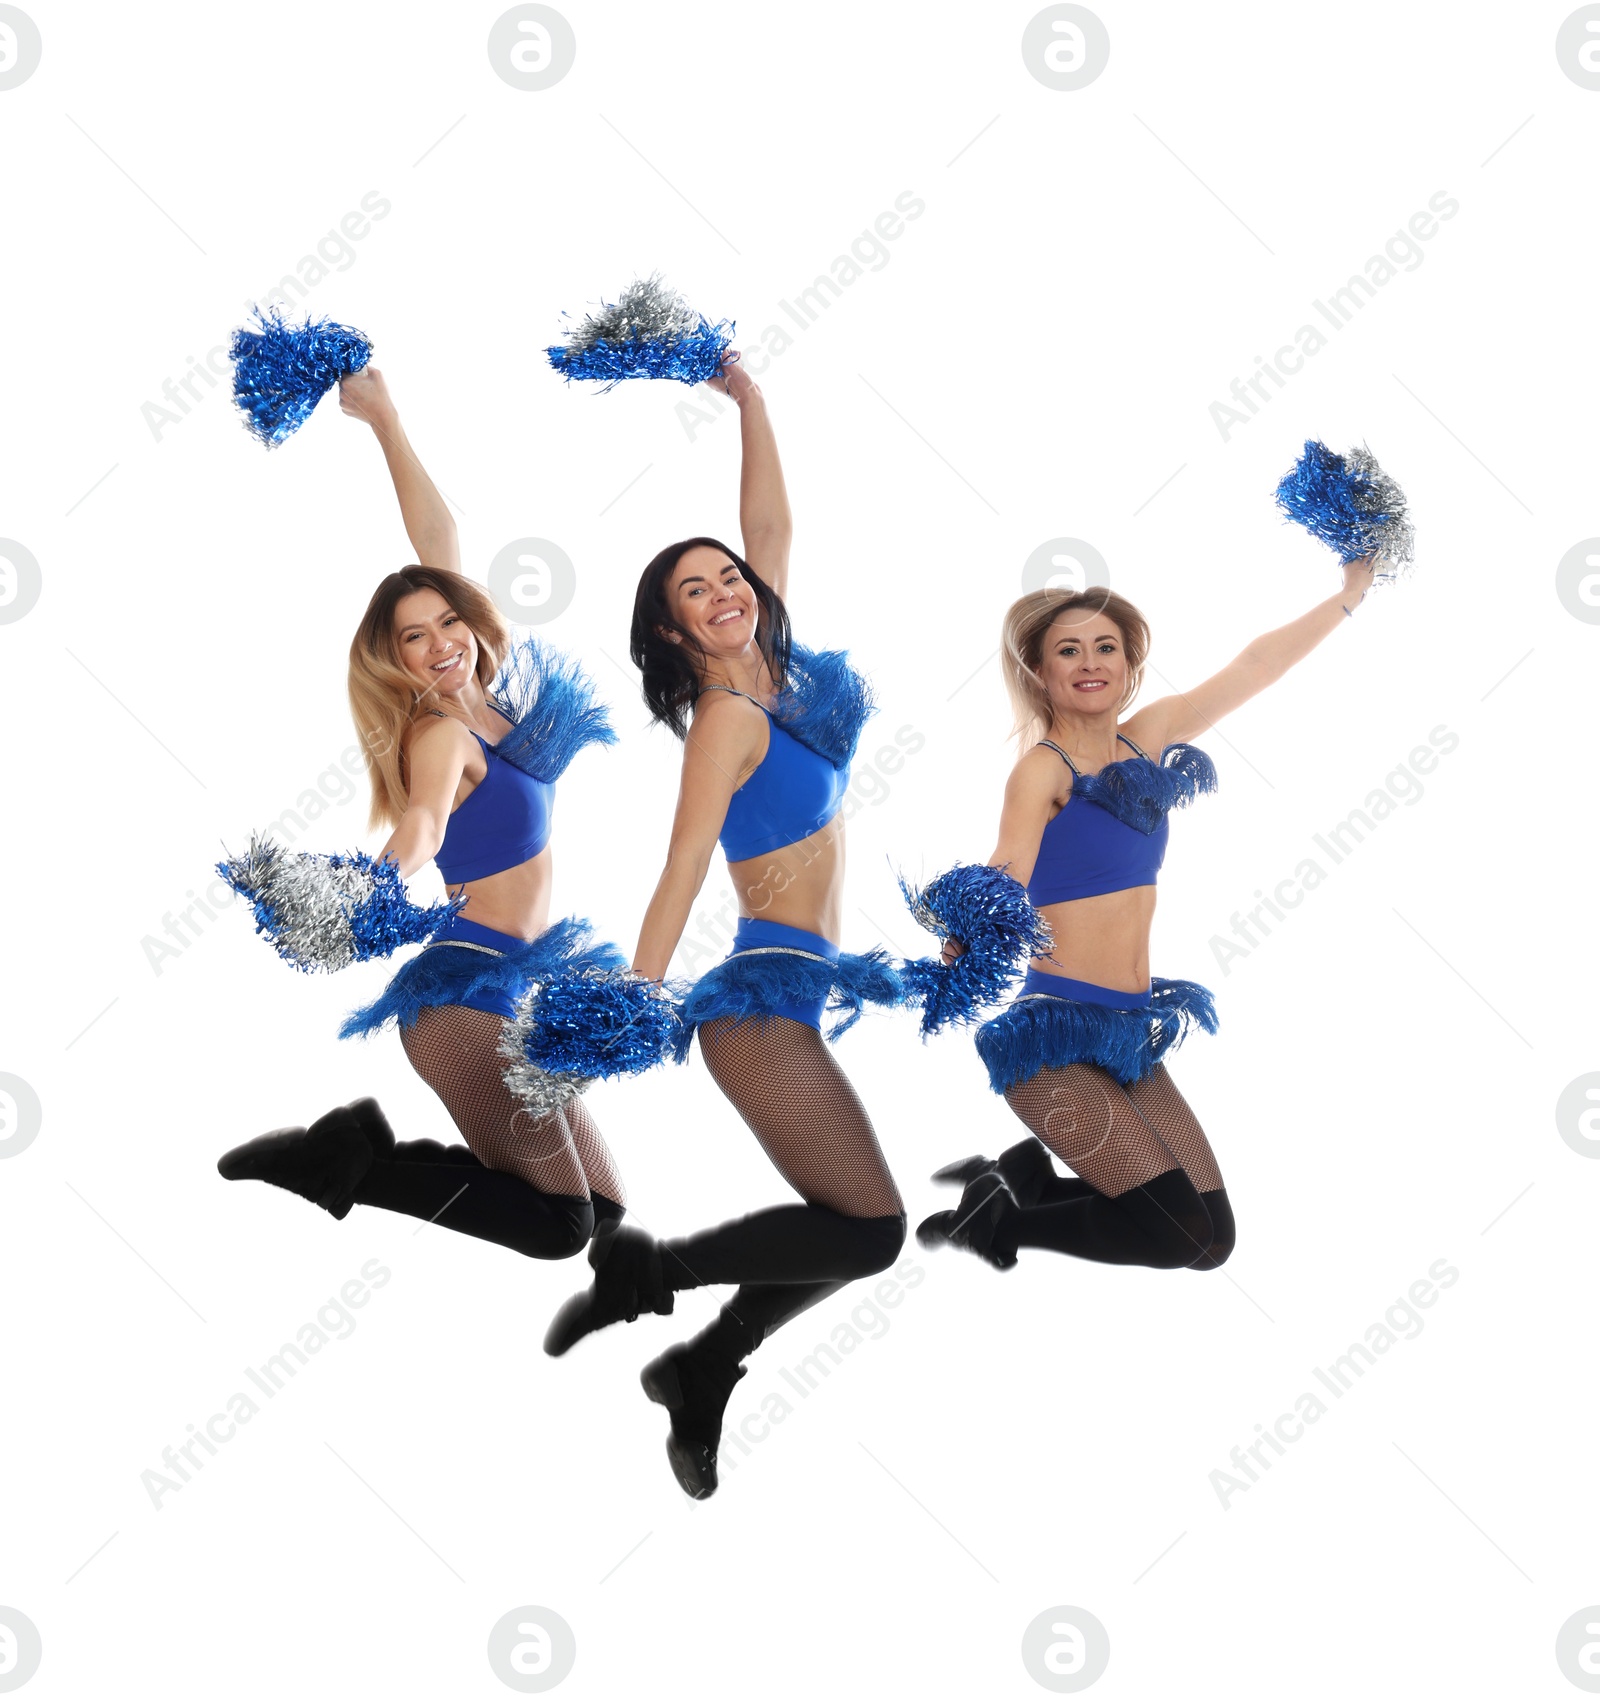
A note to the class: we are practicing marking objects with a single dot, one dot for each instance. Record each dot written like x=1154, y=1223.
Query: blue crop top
x=551, y=712
x=805, y=772
x=793, y=793
x=503, y=822
x=1119, y=839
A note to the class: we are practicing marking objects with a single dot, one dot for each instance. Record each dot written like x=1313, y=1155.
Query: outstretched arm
x=720, y=745
x=764, y=520
x=1175, y=719
x=365, y=396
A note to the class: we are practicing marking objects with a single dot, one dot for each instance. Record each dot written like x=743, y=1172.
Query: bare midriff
x=516, y=901
x=801, y=885
x=1102, y=940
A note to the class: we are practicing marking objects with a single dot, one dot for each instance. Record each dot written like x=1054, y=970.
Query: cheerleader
x=464, y=736
x=1080, y=1053
x=769, y=729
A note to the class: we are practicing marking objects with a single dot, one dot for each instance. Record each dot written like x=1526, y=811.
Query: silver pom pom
x=540, y=1093
x=312, y=901
x=645, y=310
x=1394, y=536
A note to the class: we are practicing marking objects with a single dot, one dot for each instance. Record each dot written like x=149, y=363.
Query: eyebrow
x=699, y=578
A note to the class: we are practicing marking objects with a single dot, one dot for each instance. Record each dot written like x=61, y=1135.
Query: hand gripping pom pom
x=281, y=371
x=987, y=910
x=650, y=332
x=323, y=912
x=575, y=1028
x=1349, y=502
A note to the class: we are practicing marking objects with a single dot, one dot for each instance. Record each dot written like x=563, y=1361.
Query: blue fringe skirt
x=782, y=970
x=1055, y=1021
x=473, y=966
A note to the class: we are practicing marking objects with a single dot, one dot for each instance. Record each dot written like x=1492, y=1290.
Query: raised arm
x=1175, y=719
x=764, y=520
x=721, y=744
x=436, y=760
x=365, y=396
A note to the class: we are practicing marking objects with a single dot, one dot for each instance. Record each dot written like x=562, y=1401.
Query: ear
x=671, y=636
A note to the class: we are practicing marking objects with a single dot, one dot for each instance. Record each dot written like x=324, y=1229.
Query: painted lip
x=1092, y=684
x=440, y=668
x=729, y=616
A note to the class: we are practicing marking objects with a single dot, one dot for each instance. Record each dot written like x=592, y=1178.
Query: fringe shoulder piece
x=1141, y=793
x=1349, y=502
x=552, y=701
x=825, y=703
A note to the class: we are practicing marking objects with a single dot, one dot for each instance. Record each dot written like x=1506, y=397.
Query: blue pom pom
x=988, y=911
x=649, y=332
x=323, y=912
x=597, y=1025
x=281, y=371
x=1349, y=502
x=553, y=703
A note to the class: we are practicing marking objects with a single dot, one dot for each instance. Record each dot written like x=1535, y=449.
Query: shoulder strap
x=733, y=692
x=1045, y=743
x=1132, y=745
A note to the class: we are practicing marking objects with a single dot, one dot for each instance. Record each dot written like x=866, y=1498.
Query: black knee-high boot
x=350, y=1155
x=1160, y=1224
x=1223, y=1234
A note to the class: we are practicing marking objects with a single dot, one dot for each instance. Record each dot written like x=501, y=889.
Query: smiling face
x=1084, y=665
x=435, y=644
x=709, y=596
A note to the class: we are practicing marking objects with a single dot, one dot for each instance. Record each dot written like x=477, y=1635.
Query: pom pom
x=650, y=332
x=553, y=703
x=825, y=703
x=281, y=371
x=1142, y=793
x=322, y=912
x=987, y=910
x=587, y=1025
x=1349, y=502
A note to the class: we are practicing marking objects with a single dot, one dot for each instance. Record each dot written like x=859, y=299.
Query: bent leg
x=1145, y=1211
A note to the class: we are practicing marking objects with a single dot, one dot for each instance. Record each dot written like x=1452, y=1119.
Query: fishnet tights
x=454, y=1050
x=1114, y=1136
x=794, y=1096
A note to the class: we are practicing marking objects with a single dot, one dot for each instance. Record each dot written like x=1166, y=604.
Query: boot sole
x=694, y=1467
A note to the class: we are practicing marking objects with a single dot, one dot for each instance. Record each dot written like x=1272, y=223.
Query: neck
x=1092, y=741
x=745, y=671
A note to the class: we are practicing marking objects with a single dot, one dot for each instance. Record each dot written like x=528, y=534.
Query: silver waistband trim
x=461, y=943
x=781, y=949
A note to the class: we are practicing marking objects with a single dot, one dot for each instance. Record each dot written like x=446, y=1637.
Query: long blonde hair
x=384, y=698
x=1022, y=646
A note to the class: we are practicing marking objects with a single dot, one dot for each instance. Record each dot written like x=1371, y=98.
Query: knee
x=1223, y=1232
x=882, y=1237
x=1187, y=1243
x=570, y=1232
x=1221, y=1249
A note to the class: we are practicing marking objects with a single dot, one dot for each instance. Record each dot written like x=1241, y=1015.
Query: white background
x=1035, y=359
